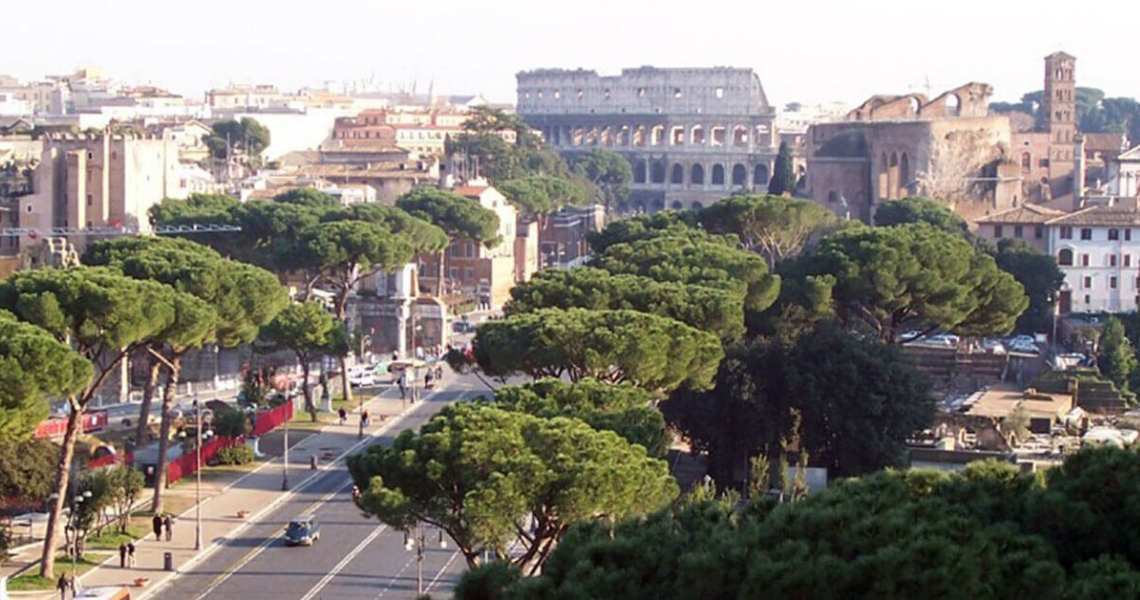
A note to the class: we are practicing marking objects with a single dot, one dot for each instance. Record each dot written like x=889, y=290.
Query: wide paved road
x=356, y=557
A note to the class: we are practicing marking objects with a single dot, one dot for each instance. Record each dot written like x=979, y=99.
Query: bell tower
x=1059, y=106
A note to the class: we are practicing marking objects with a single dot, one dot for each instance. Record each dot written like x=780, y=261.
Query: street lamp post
x=416, y=541
x=198, y=479
x=72, y=525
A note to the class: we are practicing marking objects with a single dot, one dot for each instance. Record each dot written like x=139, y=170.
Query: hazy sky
x=806, y=50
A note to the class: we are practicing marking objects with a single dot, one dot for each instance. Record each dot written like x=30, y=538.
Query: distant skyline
x=807, y=51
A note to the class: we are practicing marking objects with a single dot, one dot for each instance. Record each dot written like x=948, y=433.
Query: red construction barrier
x=187, y=464
x=271, y=419
x=110, y=459
x=56, y=427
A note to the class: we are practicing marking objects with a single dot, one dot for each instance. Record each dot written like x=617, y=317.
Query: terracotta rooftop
x=1100, y=215
x=470, y=191
x=1112, y=142
x=1026, y=213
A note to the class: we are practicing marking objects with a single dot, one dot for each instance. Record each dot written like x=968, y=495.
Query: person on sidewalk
x=168, y=524
x=64, y=584
x=403, y=383
x=156, y=524
x=364, y=418
x=343, y=414
x=123, y=555
x=131, y=554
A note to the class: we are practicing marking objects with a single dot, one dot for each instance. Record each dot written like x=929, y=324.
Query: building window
x=1088, y=283
x=1065, y=257
x=1114, y=234
x=1086, y=234
x=1112, y=260
x=720, y=92
x=1066, y=232
x=1017, y=231
x=90, y=199
x=1112, y=283
x=833, y=197
x=1039, y=231
x=1127, y=235
x=998, y=231
x=1087, y=299
x=1043, y=163
x=1128, y=260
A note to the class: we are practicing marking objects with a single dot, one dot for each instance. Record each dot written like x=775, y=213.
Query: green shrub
x=235, y=455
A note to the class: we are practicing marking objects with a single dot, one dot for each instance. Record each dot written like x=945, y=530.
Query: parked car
x=1022, y=339
x=993, y=346
x=1024, y=347
x=302, y=532
x=362, y=376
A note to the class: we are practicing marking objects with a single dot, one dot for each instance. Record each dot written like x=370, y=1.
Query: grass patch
x=111, y=537
x=34, y=583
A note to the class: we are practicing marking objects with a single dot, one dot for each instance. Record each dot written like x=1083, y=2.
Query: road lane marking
x=252, y=554
x=454, y=555
x=343, y=563
x=392, y=581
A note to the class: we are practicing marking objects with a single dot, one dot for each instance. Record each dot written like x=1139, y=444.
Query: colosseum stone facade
x=692, y=136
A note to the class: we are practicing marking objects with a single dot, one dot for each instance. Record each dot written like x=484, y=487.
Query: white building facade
x=1098, y=250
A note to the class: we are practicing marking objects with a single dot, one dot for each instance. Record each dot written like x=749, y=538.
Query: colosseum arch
x=658, y=204
x=696, y=206
x=697, y=175
x=760, y=175
x=677, y=136
x=739, y=174
x=718, y=174
x=697, y=135
x=576, y=136
x=639, y=136
x=740, y=136
x=592, y=137
x=639, y=171
x=677, y=177
x=607, y=137
x=657, y=172
x=658, y=136
x=677, y=205
x=718, y=134
x=623, y=136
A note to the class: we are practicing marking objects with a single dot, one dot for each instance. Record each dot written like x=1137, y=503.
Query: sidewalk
x=256, y=493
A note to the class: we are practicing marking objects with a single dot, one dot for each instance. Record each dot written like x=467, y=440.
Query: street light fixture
x=285, y=463
x=198, y=478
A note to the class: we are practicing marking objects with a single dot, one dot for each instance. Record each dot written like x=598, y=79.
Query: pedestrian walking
x=402, y=382
x=123, y=555
x=156, y=524
x=63, y=585
x=364, y=418
x=343, y=414
x=131, y=554
x=168, y=524
x=427, y=380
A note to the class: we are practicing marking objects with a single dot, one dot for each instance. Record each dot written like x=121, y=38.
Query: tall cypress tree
x=784, y=177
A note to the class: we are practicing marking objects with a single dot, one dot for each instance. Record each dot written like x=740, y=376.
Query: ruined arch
x=677, y=177
x=739, y=174
x=718, y=174
x=760, y=175
x=697, y=175
x=882, y=178
x=953, y=105
x=904, y=176
x=607, y=137
x=657, y=137
x=639, y=136
x=893, y=176
x=623, y=136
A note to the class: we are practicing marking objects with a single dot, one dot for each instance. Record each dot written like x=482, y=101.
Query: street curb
x=251, y=520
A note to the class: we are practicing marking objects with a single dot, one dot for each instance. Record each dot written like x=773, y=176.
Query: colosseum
x=692, y=136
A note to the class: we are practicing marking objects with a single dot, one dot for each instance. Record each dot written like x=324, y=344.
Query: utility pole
x=285, y=464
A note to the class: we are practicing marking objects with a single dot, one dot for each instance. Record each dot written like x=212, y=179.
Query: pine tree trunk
x=305, y=391
x=148, y=397
x=62, y=479
x=342, y=362
x=439, y=280
x=164, y=433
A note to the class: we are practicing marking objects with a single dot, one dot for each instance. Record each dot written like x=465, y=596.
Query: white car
x=361, y=378
x=1022, y=340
